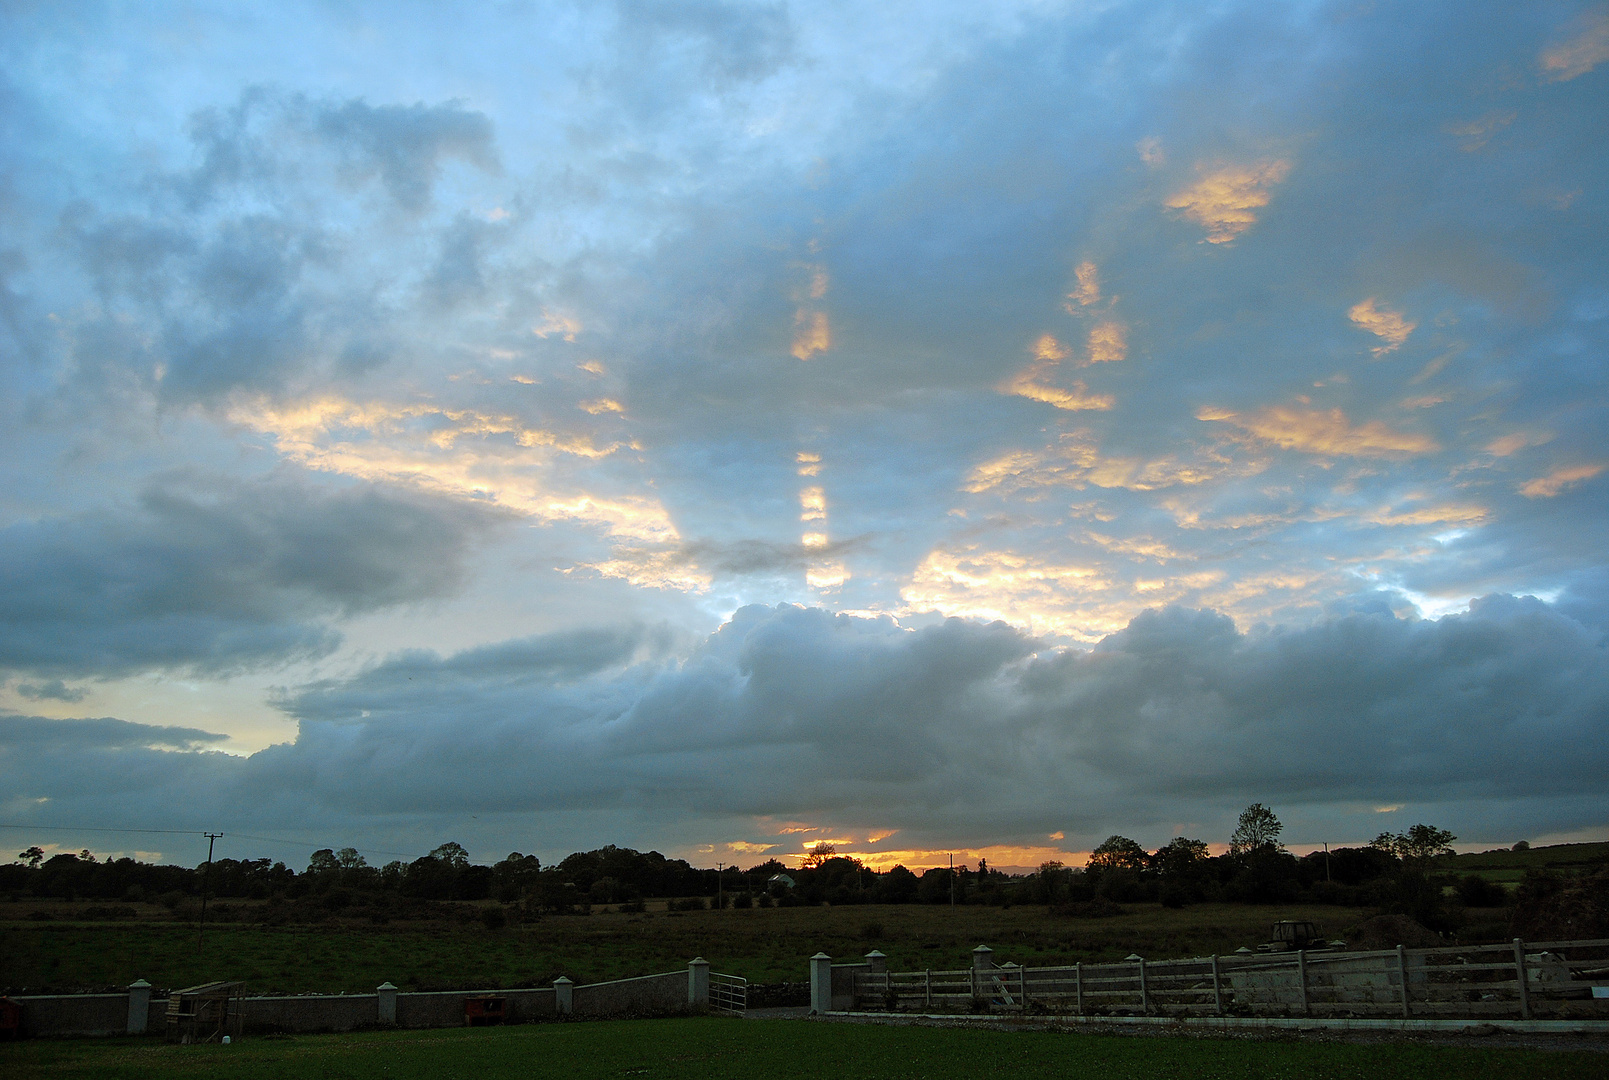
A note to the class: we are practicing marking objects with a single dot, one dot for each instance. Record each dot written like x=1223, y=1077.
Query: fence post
x=821, y=983
x=982, y=961
x=1217, y=988
x=1520, y=973
x=698, y=983
x=1078, y=984
x=927, y=987
x=1402, y=973
x=563, y=996
x=387, y=995
x=139, y=1006
x=1301, y=976
x=1145, y=1001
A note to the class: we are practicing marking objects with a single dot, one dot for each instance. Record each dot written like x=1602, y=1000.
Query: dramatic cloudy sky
x=723, y=427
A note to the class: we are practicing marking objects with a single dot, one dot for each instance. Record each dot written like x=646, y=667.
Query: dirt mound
x=1389, y=931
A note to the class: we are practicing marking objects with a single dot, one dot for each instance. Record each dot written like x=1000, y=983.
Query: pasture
x=765, y=945
x=725, y=1049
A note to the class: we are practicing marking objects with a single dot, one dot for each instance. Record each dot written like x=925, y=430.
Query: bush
x=743, y=900
x=1087, y=909
x=691, y=903
x=493, y=918
x=1476, y=891
x=632, y=907
x=99, y=913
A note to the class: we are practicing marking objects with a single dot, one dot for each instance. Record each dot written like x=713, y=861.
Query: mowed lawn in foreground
x=715, y=1049
x=763, y=945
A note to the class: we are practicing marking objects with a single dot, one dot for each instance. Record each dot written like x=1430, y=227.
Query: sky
x=934, y=429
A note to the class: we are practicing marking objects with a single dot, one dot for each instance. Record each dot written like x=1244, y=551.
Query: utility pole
x=206, y=874
x=720, y=896
x=1326, y=862
x=952, y=882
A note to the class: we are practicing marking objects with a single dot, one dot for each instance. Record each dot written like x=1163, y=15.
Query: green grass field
x=764, y=945
x=716, y=1049
x=1510, y=866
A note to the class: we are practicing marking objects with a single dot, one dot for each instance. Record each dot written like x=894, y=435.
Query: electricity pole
x=952, y=883
x=206, y=874
x=720, y=896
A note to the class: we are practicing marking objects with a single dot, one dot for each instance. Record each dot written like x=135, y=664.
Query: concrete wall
x=446, y=1009
x=325, y=1012
x=649, y=995
x=108, y=1014
x=76, y=1014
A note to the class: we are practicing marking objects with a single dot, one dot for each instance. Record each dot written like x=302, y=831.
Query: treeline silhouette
x=1256, y=870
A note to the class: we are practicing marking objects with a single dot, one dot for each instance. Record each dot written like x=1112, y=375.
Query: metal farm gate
x=729, y=993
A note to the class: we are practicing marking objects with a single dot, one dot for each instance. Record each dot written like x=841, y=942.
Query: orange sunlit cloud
x=743, y=847
x=1089, y=285
x=602, y=405
x=1477, y=133
x=1559, y=480
x=1108, y=341
x=1580, y=54
x=809, y=464
x=1383, y=323
x=562, y=325
x=1077, y=462
x=1047, y=348
x=812, y=334
x=1316, y=431
x=1224, y=201
x=1076, y=399
x=1514, y=443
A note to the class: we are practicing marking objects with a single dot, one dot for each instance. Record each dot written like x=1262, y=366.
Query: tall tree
x=1257, y=830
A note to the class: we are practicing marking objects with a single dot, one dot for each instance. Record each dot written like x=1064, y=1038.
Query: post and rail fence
x=1551, y=980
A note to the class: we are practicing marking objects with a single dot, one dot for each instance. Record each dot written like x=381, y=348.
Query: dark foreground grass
x=716, y=1049
x=763, y=945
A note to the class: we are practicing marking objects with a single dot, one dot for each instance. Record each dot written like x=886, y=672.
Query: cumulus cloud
x=963, y=728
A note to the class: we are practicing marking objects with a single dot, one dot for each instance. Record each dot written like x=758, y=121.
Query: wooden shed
x=205, y=1013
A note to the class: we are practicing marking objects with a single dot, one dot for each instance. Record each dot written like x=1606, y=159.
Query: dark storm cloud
x=962, y=729
x=35, y=735
x=219, y=580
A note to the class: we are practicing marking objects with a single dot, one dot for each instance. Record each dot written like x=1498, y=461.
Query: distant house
x=779, y=881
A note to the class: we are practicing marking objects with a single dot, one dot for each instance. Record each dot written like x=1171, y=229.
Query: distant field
x=1510, y=866
x=718, y=1049
x=764, y=945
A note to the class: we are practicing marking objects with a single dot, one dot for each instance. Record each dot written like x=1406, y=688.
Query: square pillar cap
x=565, y=979
x=983, y=949
x=698, y=960
x=385, y=986
x=821, y=956
x=1134, y=956
x=873, y=953
x=139, y=984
